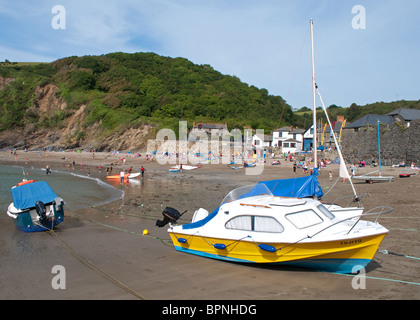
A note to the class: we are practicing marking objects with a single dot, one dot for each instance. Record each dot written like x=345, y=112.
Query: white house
x=308, y=138
x=289, y=139
x=280, y=135
x=262, y=140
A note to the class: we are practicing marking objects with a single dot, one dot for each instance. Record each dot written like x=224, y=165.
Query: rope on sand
x=95, y=268
x=164, y=241
x=92, y=266
x=376, y=278
x=398, y=254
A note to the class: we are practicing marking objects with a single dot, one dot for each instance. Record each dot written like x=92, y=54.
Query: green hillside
x=124, y=91
x=303, y=116
x=128, y=90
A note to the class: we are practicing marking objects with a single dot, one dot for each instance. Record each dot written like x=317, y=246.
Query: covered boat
x=35, y=206
x=257, y=225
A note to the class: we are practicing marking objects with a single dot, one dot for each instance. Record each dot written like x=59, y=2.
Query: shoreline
x=110, y=235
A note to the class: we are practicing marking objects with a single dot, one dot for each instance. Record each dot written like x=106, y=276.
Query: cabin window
x=267, y=224
x=254, y=223
x=240, y=223
x=304, y=219
x=326, y=212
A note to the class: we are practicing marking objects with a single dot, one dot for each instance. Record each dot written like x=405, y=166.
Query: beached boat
x=283, y=222
x=35, y=206
x=368, y=177
x=118, y=176
x=255, y=225
x=184, y=167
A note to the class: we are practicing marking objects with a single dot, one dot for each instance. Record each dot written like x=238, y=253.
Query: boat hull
x=26, y=221
x=340, y=256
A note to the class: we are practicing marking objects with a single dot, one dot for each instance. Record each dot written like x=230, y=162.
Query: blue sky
x=265, y=43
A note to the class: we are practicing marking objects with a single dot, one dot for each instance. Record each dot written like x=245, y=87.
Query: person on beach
x=294, y=167
x=122, y=177
x=47, y=169
x=142, y=171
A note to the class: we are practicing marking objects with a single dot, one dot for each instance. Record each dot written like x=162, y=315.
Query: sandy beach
x=106, y=255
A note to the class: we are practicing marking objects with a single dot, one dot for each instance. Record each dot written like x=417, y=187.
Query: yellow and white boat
x=254, y=226
x=282, y=222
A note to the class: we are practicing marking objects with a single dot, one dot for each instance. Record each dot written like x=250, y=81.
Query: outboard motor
x=170, y=215
x=41, y=210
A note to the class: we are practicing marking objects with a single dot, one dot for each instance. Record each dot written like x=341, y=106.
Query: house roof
x=282, y=129
x=337, y=126
x=406, y=114
x=370, y=120
x=298, y=131
x=264, y=137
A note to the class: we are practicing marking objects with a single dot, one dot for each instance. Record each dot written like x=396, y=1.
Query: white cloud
x=258, y=41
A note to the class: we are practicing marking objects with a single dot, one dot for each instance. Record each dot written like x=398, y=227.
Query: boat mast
x=314, y=91
x=313, y=96
x=379, y=150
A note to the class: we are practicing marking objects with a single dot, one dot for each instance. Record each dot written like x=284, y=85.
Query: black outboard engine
x=41, y=210
x=170, y=215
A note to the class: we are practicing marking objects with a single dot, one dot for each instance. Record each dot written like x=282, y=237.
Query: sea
x=78, y=191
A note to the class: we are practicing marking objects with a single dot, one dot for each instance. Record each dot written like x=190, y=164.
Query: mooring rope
x=377, y=278
x=91, y=265
x=95, y=268
x=398, y=254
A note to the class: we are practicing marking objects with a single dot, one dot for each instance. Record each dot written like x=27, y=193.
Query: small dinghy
x=35, y=206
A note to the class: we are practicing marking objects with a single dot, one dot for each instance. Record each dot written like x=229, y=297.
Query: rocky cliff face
x=70, y=133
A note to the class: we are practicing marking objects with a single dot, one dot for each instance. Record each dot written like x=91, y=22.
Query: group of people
x=123, y=175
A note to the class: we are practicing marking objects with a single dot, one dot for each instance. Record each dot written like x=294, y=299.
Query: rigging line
x=293, y=76
x=164, y=241
x=332, y=186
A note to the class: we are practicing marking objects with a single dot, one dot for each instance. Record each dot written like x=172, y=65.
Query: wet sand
x=106, y=256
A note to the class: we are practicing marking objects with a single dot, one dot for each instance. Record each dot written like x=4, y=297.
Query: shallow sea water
x=78, y=191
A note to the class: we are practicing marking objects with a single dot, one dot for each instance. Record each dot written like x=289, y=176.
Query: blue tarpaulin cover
x=25, y=196
x=295, y=187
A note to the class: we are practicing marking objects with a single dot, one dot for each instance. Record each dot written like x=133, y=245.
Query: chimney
x=340, y=119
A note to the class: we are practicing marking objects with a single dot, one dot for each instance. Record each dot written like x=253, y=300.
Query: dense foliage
x=304, y=115
x=128, y=90
x=132, y=89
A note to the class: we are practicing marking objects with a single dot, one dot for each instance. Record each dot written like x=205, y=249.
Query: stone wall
x=398, y=143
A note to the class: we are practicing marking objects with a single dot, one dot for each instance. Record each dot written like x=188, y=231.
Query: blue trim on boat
x=24, y=222
x=202, y=222
x=210, y=255
x=326, y=265
x=37, y=228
